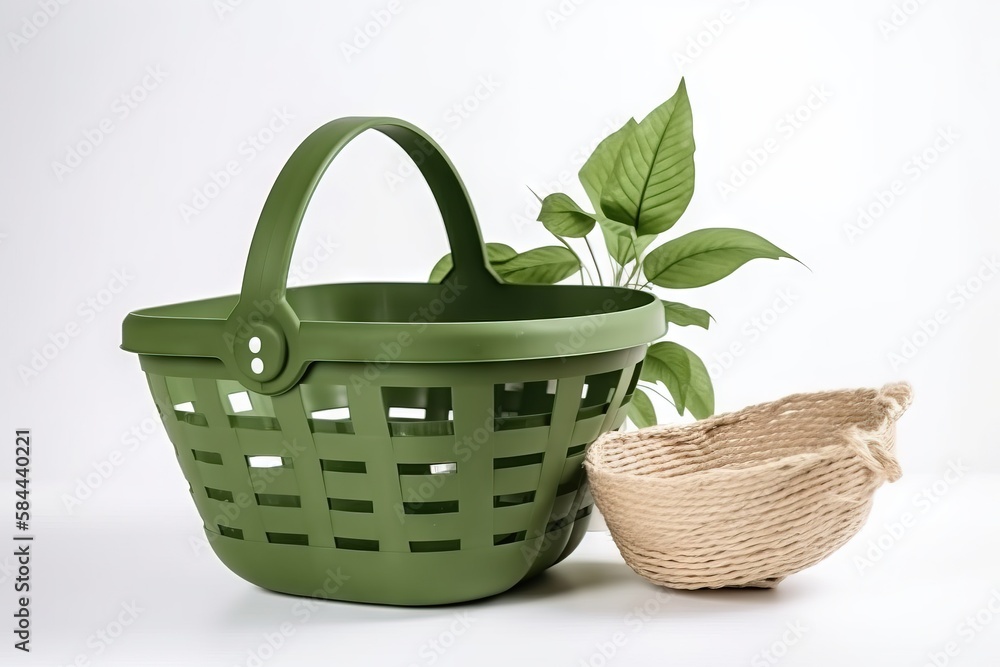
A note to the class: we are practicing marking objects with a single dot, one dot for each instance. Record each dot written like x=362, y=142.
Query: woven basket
x=392, y=443
x=750, y=497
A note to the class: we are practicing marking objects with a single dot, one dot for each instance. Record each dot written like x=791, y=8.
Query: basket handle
x=262, y=311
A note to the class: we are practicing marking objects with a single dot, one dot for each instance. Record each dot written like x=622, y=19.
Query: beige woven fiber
x=749, y=497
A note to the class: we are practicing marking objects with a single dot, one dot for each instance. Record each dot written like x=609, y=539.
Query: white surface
x=911, y=601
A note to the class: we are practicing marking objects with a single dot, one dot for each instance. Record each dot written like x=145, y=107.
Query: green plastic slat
x=347, y=485
x=426, y=488
x=587, y=430
x=424, y=449
x=512, y=519
x=284, y=519
x=438, y=527
x=355, y=524
x=274, y=480
x=344, y=447
x=519, y=442
x=516, y=480
x=562, y=505
x=263, y=443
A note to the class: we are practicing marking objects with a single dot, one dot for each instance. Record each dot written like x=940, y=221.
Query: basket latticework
x=470, y=461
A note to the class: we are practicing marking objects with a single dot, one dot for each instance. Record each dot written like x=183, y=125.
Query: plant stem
x=594, y=257
x=621, y=270
x=635, y=271
x=653, y=389
x=583, y=267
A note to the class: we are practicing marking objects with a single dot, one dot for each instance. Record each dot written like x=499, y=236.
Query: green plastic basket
x=393, y=443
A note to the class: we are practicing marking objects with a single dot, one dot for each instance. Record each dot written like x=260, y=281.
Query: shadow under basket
x=750, y=497
x=407, y=444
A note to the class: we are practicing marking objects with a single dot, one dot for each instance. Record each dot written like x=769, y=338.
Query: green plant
x=639, y=181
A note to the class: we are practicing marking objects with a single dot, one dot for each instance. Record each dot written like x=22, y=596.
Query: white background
x=519, y=92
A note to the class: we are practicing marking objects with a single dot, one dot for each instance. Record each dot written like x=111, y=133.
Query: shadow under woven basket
x=749, y=497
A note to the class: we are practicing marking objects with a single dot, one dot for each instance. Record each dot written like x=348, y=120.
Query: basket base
x=394, y=578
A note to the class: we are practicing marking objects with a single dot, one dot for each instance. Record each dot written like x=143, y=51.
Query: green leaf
x=683, y=315
x=700, y=395
x=653, y=178
x=596, y=171
x=640, y=410
x=622, y=242
x=546, y=265
x=561, y=216
x=684, y=375
x=440, y=269
x=498, y=253
x=704, y=256
x=668, y=362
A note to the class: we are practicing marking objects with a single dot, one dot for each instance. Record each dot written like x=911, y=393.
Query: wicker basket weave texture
x=750, y=497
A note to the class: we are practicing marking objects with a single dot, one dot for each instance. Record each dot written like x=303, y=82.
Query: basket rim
x=791, y=462
x=608, y=319
x=855, y=439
